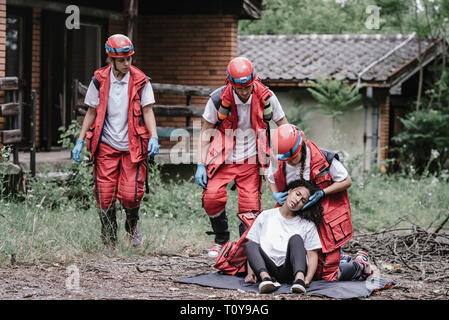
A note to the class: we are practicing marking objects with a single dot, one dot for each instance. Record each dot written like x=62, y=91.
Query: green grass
x=52, y=227
x=378, y=201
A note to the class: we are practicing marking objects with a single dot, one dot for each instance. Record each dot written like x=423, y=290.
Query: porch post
x=384, y=128
x=131, y=15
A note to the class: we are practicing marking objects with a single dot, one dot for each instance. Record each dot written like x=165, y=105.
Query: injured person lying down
x=283, y=245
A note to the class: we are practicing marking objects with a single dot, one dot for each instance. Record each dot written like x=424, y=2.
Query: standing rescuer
x=120, y=132
x=234, y=145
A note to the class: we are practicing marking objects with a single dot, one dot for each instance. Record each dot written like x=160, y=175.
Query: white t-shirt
x=337, y=171
x=245, y=139
x=272, y=231
x=115, y=130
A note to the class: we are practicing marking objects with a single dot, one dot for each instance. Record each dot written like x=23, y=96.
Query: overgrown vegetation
x=56, y=219
x=423, y=143
x=426, y=17
x=53, y=227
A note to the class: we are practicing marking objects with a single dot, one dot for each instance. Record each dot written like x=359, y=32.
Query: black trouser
x=220, y=226
x=295, y=260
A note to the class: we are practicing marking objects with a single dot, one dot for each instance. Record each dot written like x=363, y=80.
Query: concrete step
x=45, y=160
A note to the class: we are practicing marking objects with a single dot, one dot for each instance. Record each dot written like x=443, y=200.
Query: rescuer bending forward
x=234, y=145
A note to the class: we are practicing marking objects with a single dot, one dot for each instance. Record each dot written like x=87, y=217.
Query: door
x=67, y=54
x=85, y=54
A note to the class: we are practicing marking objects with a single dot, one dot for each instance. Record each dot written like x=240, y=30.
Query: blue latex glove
x=201, y=175
x=314, y=198
x=153, y=146
x=280, y=197
x=77, y=150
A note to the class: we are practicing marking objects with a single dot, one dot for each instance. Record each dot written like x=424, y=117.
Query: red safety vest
x=138, y=135
x=223, y=139
x=336, y=229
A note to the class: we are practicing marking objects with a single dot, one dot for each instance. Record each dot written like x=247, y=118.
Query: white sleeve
x=147, y=95
x=278, y=113
x=312, y=240
x=210, y=113
x=92, y=98
x=254, y=232
x=337, y=171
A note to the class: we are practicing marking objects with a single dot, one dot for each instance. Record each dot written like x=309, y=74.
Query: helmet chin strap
x=117, y=73
x=238, y=95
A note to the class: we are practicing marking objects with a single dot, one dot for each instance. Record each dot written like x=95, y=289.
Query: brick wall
x=190, y=50
x=2, y=52
x=384, y=128
x=186, y=50
x=171, y=49
x=116, y=27
x=36, y=66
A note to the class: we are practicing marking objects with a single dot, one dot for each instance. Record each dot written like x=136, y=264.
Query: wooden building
x=176, y=42
x=387, y=66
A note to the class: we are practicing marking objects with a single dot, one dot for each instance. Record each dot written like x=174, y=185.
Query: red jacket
x=336, y=228
x=138, y=135
x=223, y=140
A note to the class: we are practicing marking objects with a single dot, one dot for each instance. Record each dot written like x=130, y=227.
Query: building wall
x=116, y=26
x=384, y=127
x=36, y=41
x=2, y=53
x=192, y=50
x=35, y=56
x=189, y=50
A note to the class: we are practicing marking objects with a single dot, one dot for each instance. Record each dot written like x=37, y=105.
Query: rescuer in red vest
x=120, y=132
x=234, y=145
x=299, y=158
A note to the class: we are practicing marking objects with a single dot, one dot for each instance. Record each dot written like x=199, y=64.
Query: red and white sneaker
x=363, y=259
x=214, y=251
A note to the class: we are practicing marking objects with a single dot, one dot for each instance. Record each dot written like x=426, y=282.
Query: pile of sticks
x=423, y=253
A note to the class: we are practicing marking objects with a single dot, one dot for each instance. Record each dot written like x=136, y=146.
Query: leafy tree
x=308, y=16
x=424, y=141
x=394, y=12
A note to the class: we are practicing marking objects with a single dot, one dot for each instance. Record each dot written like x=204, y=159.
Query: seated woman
x=283, y=244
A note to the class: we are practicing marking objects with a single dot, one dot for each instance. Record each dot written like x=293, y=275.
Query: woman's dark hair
x=313, y=213
x=303, y=160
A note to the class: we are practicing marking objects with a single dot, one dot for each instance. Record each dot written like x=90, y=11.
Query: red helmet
x=287, y=141
x=240, y=72
x=119, y=46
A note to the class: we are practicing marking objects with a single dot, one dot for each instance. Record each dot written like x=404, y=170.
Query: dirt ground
x=152, y=278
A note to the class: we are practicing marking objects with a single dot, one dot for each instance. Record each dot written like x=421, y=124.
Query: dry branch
x=421, y=253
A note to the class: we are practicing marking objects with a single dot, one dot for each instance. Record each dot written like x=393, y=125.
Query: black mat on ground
x=332, y=289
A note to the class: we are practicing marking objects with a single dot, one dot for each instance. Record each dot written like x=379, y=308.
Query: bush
x=423, y=144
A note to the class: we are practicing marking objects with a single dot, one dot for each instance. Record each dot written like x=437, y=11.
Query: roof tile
x=301, y=57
